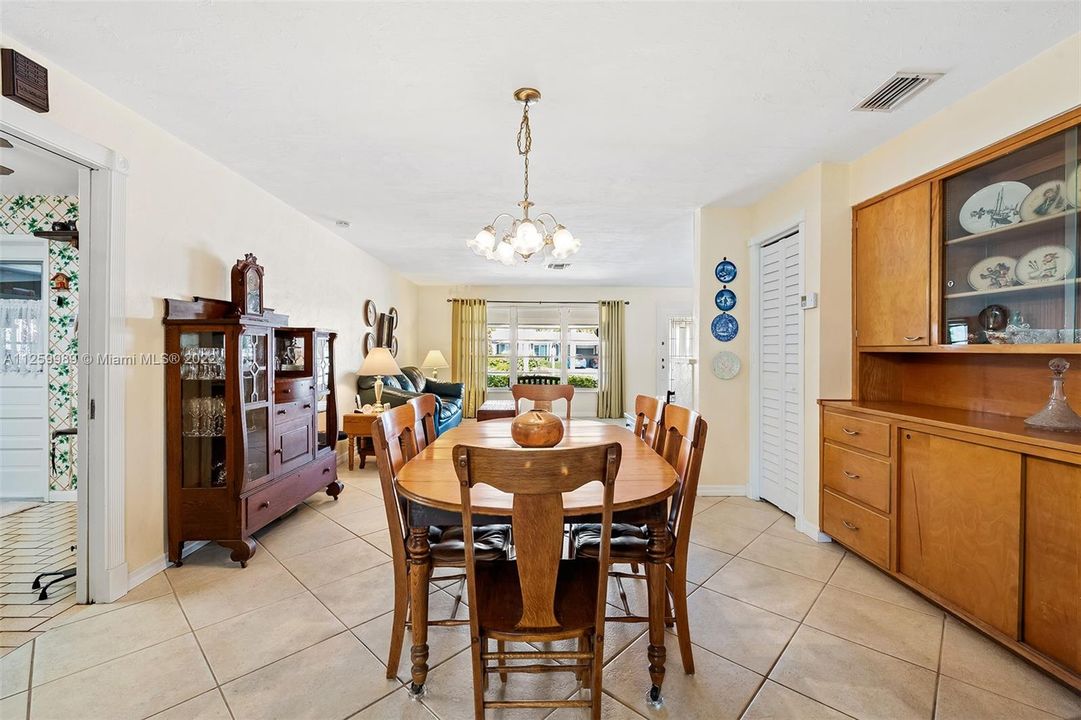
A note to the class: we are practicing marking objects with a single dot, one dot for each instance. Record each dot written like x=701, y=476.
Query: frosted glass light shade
x=504, y=253
x=527, y=239
x=483, y=243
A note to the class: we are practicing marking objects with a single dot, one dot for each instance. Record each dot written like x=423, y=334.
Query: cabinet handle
x=850, y=476
x=913, y=338
x=278, y=451
x=281, y=412
x=264, y=505
x=326, y=470
x=846, y=431
x=307, y=406
x=849, y=525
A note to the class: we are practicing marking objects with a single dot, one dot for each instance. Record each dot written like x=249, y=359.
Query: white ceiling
x=398, y=117
x=37, y=172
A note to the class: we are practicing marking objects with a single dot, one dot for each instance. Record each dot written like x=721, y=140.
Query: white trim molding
x=722, y=490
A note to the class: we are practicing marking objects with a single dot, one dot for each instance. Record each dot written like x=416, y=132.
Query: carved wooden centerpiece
x=536, y=429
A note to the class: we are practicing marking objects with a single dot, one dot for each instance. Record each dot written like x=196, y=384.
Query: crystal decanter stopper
x=1057, y=414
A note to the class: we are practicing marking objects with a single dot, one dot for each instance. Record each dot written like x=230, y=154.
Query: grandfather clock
x=247, y=282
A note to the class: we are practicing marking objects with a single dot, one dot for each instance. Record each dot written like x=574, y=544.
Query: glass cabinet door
x=1011, y=247
x=255, y=400
x=203, y=408
x=322, y=365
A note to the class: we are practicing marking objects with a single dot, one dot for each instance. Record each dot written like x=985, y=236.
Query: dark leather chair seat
x=490, y=542
x=628, y=541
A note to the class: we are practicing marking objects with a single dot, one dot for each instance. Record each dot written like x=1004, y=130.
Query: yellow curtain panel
x=610, y=398
x=469, y=351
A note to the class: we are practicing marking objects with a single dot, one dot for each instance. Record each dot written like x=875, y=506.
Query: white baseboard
x=721, y=490
x=811, y=530
x=63, y=495
x=158, y=564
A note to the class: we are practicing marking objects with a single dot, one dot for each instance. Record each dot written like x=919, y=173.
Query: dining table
x=431, y=493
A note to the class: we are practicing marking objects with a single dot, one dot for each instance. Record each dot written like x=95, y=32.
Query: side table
x=358, y=430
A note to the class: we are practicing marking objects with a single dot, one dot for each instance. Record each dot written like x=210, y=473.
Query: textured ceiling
x=398, y=117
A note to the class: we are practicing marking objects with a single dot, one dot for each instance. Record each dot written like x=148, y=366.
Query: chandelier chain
x=525, y=144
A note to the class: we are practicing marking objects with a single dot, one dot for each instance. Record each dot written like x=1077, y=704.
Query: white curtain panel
x=21, y=321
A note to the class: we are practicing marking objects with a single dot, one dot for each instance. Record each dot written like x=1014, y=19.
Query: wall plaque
x=24, y=81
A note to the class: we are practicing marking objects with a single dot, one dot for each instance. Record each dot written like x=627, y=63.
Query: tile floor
x=783, y=628
x=32, y=541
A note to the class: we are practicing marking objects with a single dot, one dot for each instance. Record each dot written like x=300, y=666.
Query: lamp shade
x=379, y=362
x=434, y=359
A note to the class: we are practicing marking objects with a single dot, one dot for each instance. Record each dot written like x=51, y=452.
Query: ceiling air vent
x=896, y=91
x=558, y=266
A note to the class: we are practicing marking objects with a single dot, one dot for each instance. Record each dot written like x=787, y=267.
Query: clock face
x=252, y=302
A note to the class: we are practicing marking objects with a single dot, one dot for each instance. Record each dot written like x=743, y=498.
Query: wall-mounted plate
x=726, y=271
x=724, y=327
x=725, y=299
x=726, y=365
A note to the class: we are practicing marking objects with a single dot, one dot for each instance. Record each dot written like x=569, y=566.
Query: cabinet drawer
x=855, y=527
x=860, y=432
x=320, y=473
x=290, y=390
x=289, y=411
x=269, y=503
x=860, y=477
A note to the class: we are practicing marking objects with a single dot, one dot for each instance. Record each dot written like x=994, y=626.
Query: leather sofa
x=398, y=389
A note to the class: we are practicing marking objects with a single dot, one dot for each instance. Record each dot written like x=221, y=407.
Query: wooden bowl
x=536, y=429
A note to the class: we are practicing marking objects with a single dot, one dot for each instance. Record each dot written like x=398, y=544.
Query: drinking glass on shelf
x=194, y=416
x=219, y=416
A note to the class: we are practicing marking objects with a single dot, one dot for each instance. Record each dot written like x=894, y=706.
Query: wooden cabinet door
x=893, y=270
x=1052, y=614
x=959, y=525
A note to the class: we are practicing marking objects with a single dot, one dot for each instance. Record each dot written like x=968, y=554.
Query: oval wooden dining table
x=430, y=488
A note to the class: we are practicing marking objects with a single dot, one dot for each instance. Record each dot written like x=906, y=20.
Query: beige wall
x=434, y=331
x=188, y=219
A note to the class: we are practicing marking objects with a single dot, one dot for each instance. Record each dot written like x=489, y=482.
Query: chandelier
x=524, y=237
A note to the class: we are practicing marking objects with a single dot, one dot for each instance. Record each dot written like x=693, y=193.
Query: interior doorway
x=40, y=382
x=676, y=356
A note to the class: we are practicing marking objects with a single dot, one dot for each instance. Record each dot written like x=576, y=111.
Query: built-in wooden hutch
x=963, y=292
x=245, y=400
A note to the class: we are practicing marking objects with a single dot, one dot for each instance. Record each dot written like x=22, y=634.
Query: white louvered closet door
x=780, y=375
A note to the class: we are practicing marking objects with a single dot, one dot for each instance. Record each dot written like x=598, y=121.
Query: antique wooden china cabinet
x=244, y=407
x=966, y=285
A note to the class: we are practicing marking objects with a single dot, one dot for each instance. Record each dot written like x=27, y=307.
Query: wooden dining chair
x=682, y=444
x=538, y=597
x=648, y=411
x=424, y=409
x=394, y=439
x=542, y=396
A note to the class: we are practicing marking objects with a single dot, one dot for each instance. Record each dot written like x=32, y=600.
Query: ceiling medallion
x=524, y=237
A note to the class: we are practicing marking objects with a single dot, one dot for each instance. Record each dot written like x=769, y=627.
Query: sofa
x=398, y=389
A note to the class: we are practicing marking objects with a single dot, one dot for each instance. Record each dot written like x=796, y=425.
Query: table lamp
x=379, y=363
x=435, y=360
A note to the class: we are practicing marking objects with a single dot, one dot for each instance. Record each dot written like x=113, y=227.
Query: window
x=543, y=341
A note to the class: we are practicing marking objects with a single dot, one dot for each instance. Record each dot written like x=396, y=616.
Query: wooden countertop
x=1003, y=427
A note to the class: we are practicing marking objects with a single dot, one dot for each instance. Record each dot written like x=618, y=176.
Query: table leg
x=656, y=554
x=419, y=575
x=350, y=440
x=362, y=449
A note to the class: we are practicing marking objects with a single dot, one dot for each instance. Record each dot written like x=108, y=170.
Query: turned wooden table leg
x=656, y=569
x=351, y=441
x=419, y=574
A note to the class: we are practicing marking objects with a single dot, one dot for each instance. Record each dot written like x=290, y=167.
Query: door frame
x=665, y=312
x=101, y=555
x=754, y=246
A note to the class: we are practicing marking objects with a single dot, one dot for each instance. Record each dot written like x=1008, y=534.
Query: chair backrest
x=648, y=411
x=537, y=479
x=424, y=412
x=542, y=396
x=394, y=440
x=682, y=444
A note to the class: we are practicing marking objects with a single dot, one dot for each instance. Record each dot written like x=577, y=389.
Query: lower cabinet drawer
x=860, y=477
x=270, y=502
x=321, y=472
x=858, y=528
x=857, y=431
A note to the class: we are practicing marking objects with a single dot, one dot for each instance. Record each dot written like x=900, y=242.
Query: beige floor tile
x=208, y=706
x=737, y=631
x=243, y=643
x=750, y=514
x=785, y=527
x=892, y=629
x=15, y=671
x=301, y=532
x=365, y=521
x=814, y=561
x=972, y=658
x=858, y=575
x=854, y=679
x=333, y=679
x=325, y=565
x=776, y=702
x=20, y=624
x=82, y=645
x=771, y=589
x=133, y=686
x=703, y=562
x=961, y=701
x=703, y=502
x=361, y=597
x=397, y=706
x=611, y=709
x=718, y=689
x=155, y=587
x=350, y=501
x=212, y=589
x=714, y=532
x=19, y=610
x=14, y=707
x=443, y=642
x=380, y=540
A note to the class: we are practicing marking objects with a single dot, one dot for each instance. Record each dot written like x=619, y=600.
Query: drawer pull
x=846, y=431
x=307, y=406
x=277, y=451
x=849, y=525
x=264, y=505
x=326, y=470
x=282, y=411
x=850, y=476
x=913, y=338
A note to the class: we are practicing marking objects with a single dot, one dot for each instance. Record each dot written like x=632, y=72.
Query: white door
x=780, y=377
x=676, y=356
x=24, y=425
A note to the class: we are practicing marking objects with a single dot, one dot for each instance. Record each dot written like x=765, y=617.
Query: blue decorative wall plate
x=726, y=271
x=725, y=299
x=724, y=327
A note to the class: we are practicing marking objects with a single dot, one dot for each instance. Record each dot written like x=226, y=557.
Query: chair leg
x=479, y=677
x=634, y=567
x=678, y=590
x=397, y=628
x=668, y=601
x=623, y=595
x=502, y=647
x=457, y=600
x=595, y=677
